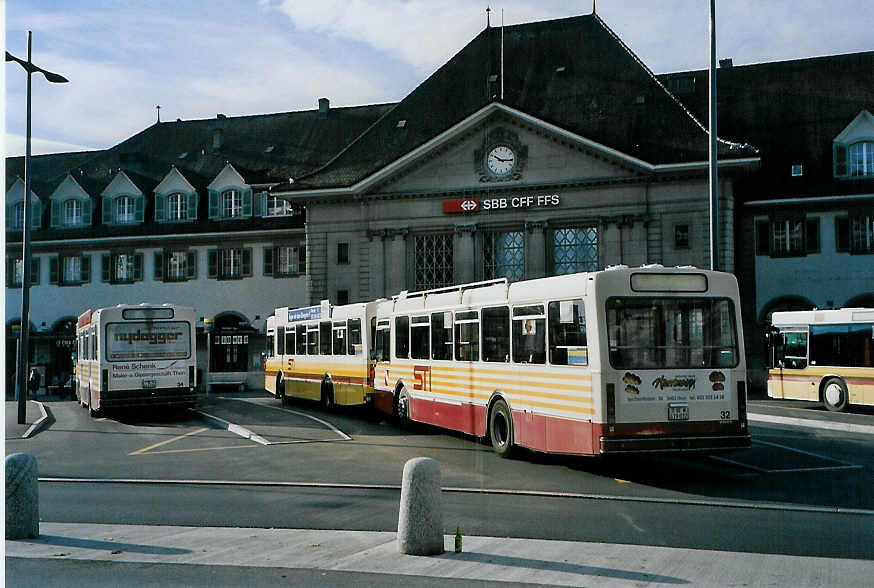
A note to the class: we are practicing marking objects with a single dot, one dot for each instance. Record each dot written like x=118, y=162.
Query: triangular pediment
x=121, y=184
x=228, y=177
x=174, y=181
x=15, y=193
x=861, y=128
x=69, y=188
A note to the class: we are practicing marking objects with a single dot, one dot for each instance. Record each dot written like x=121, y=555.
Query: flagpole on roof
x=502, y=54
x=714, y=175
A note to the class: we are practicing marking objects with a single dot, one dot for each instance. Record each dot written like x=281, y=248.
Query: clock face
x=501, y=160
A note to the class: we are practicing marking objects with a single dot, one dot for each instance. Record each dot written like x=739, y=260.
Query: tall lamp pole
x=714, y=174
x=23, y=355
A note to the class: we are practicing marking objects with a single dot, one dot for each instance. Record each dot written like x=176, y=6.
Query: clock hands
x=502, y=159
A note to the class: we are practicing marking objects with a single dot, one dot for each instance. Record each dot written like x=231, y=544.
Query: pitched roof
x=791, y=111
x=574, y=73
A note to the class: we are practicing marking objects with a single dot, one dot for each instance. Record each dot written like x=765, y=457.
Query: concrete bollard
x=22, y=496
x=420, y=520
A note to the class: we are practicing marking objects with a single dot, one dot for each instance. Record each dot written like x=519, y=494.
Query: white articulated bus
x=620, y=360
x=823, y=355
x=136, y=355
x=320, y=353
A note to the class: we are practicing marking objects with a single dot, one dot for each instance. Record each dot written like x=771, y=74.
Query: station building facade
x=539, y=149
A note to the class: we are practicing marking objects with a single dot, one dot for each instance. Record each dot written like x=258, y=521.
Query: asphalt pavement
x=79, y=554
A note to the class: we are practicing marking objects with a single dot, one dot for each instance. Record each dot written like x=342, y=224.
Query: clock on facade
x=501, y=160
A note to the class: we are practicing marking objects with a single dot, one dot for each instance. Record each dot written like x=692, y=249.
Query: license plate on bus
x=678, y=412
x=149, y=384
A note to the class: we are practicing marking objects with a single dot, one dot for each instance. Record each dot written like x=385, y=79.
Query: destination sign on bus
x=305, y=314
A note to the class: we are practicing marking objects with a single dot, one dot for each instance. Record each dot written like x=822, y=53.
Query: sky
x=198, y=58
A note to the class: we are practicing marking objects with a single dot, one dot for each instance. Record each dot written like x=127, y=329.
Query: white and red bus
x=823, y=356
x=615, y=361
x=136, y=355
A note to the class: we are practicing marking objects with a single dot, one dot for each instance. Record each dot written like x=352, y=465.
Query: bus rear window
x=135, y=341
x=671, y=333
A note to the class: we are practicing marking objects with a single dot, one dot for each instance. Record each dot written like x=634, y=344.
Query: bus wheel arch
x=499, y=426
x=834, y=394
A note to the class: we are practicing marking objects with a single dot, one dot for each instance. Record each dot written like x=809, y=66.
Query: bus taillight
x=611, y=404
x=742, y=404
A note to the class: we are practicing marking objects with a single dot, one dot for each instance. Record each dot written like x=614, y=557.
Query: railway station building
x=538, y=149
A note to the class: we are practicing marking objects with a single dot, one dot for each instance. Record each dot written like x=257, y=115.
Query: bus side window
x=289, y=341
x=270, y=350
x=529, y=334
x=325, y=338
x=567, y=333
x=496, y=334
x=441, y=335
x=313, y=340
x=791, y=352
x=420, y=338
x=353, y=338
x=402, y=337
x=301, y=342
x=383, y=341
x=467, y=336
x=280, y=340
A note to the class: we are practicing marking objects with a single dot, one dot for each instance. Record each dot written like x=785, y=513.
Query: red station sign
x=460, y=205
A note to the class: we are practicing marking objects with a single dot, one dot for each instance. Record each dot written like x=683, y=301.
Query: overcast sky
x=197, y=58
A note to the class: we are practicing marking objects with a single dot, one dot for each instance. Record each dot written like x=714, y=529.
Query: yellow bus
x=823, y=355
x=136, y=355
x=619, y=360
x=320, y=353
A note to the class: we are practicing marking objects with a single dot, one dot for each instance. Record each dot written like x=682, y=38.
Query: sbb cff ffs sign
x=458, y=205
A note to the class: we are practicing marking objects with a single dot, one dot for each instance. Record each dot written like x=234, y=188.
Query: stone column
x=464, y=257
x=396, y=261
x=377, y=263
x=611, y=243
x=535, y=249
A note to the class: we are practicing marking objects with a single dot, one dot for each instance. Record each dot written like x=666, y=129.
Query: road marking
x=622, y=481
x=342, y=435
x=810, y=423
x=234, y=428
x=497, y=491
x=203, y=449
x=843, y=464
x=166, y=441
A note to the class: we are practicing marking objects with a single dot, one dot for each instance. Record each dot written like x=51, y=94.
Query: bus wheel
x=402, y=410
x=328, y=397
x=501, y=429
x=834, y=395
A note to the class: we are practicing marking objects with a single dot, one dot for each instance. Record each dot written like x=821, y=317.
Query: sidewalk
x=491, y=559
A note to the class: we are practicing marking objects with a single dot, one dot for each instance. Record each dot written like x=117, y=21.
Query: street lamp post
x=23, y=355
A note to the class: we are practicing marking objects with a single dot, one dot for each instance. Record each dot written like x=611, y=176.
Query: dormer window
x=72, y=213
x=18, y=217
x=278, y=206
x=860, y=159
x=177, y=207
x=124, y=209
x=232, y=204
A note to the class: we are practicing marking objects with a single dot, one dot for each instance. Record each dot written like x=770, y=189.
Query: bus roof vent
x=652, y=266
x=616, y=267
x=686, y=267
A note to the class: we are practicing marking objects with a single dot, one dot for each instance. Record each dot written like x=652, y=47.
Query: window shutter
x=53, y=270
x=762, y=237
x=86, y=212
x=10, y=271
x=214, y=205
x=261, y=204
x=302, y=259
x=268, y=261
x=107, y=211
x=105, y=264
x=192, y=205
x=160, y=208
x=840, y=160
x=138, y=267
x=247, y=203
x=10, y=210
x=811, y=235
x=191, y=265
x=212, y=263
x=159, y=266
x=86, y=269
x=842, y=234
x=56, y=214
x=36, y=215
x=139, y=208
x=247, y=261
x=34, y=271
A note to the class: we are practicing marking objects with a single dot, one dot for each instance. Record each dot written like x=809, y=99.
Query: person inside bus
x=529, y=342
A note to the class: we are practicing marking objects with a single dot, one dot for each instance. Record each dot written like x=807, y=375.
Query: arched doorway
x=59, y=371
x=781, y=304
x=229, y=349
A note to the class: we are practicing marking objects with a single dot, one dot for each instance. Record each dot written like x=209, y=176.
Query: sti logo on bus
x=152, y=338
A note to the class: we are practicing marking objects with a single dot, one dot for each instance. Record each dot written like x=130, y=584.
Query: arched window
x=72, y=213
x=124, y=209
x=860, y=159
x=177, y=207
x=18, y=216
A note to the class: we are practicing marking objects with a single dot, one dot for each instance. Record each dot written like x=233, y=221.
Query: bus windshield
x=666, y=333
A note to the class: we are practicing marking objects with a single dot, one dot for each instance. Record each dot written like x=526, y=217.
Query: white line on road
x=343, y=435
x=844, y=465
x=810, y=423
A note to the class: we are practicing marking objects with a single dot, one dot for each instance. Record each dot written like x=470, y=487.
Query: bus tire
x=501, y=428
x=835, y=396
x=327, y=396
x=402, y=409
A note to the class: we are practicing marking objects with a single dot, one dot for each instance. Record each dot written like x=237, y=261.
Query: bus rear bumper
x=158, y=397
x=704, y=443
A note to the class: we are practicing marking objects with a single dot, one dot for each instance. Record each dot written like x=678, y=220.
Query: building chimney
x=324, y=107
x=725, y=63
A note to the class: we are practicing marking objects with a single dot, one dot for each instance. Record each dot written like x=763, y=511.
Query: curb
x=45, y=420
x=233, y=428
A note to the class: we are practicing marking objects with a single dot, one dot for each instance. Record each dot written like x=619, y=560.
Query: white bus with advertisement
x=136, y=355
x=623, y=360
